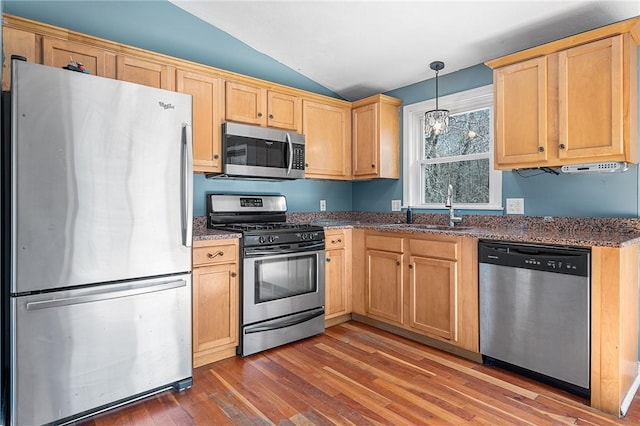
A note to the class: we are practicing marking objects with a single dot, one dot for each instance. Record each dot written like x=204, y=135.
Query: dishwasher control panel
x=558, y=259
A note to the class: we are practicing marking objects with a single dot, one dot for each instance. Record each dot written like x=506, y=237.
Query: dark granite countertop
x=579, y=232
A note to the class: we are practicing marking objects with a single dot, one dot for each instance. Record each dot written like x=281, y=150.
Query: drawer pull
x=336, y=241
x=214, y=255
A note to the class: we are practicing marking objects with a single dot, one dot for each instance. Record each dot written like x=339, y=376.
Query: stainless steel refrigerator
x=97, y=267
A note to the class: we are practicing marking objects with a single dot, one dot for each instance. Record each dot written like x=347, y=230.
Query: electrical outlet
x=396, y=205
x=515, y=205
x=323, y=205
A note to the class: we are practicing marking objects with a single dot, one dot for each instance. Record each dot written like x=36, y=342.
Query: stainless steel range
x=282, y=292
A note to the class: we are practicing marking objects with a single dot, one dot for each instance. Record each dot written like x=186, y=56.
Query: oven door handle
x=297, y=249
x=289, y=322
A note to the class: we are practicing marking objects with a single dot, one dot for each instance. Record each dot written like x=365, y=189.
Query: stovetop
x=269, y=226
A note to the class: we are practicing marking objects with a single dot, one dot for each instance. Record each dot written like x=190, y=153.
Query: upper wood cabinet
x=257, y=105
x=58, y=53
x=376, y=138
x=327, y=146
x=207, y=92
x=16, y=42
x=569, y=102
x=146, y=72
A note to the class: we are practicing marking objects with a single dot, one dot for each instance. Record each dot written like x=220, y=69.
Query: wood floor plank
x=355, y=374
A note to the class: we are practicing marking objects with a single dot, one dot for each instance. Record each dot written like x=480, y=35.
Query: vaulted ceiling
x=358, y=48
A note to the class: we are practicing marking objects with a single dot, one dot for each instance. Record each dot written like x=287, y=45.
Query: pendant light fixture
x=436, y=121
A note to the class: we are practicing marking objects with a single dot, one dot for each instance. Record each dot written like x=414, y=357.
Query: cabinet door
x=327, y=145
x=365, y=140
x=284, y=111
x=591, y=100
x=16, y=42
x=58, y=53
x=335, y=284
x=145, y=72
x=521, y=113
x=384, y=297
x=208, y=114
x=246, y=104
x=433, y=287
x=215, y=310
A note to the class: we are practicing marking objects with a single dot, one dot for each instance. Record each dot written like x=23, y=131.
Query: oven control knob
x=271, y=238
x=262, y=240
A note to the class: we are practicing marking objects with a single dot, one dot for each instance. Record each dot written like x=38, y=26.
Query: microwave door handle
x=288, y=138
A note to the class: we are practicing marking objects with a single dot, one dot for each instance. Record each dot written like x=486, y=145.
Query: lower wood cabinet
x=215, y=300
x=337, y=273
x=384, y=287
x=424, y=283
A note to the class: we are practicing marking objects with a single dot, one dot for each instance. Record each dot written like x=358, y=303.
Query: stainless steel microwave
x=260, y=152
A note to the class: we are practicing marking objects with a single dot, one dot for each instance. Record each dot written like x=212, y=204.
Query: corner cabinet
x=569, y=102
x=207, y=92
x=327, y=129
x=375, y=137
x=337, y=273
x=215, y=300
x=423, y=283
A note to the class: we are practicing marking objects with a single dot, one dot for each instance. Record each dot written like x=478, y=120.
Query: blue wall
x=163, y=27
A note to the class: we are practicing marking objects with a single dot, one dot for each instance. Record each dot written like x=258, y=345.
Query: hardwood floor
x=356, y=374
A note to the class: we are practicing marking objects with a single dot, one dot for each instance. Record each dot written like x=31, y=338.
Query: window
x=462, y=157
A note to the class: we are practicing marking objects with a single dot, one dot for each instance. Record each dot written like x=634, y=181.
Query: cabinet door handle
x=562, y=146
x=306, y=164
x=214, y=255
x=397, y=263
x=410, y=266
x=216, y=156
x=233, y=274
x=328, y=260
x=259, y=114
x=271, y=116
x=373, y=166
x=541, y=149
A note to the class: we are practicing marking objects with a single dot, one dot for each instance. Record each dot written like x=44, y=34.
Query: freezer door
x=78, y=350
x=101, y=180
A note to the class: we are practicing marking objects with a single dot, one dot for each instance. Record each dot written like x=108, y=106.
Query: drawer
x=334, y=240
x=215, y=254
x=435, y=249
x=378, y=242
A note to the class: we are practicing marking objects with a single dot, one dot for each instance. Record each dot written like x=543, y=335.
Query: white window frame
x=412, y=143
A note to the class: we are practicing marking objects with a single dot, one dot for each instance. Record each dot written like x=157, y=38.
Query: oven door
x=282, y=282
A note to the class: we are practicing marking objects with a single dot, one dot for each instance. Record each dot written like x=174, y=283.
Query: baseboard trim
x=628, y=398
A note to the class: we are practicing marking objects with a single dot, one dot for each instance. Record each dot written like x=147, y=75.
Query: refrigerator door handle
x=106, y=295
x=187, y=184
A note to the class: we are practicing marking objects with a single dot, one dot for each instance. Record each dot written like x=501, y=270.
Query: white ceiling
x=360, y=48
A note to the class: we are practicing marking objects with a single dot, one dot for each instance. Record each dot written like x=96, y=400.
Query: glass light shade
x=436, y=122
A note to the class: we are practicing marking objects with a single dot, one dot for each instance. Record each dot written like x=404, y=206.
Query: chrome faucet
x=453, y=219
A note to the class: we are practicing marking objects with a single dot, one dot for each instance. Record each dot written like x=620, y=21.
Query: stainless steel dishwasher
x=535, y=311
